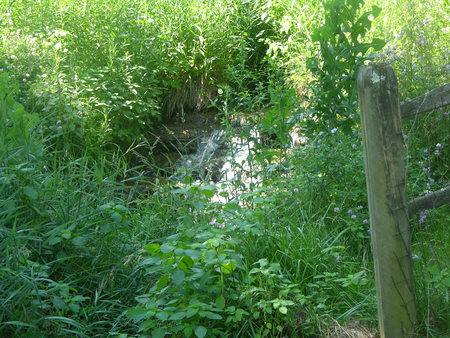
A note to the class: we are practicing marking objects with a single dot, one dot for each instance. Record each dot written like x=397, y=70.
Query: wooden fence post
x=386, y=186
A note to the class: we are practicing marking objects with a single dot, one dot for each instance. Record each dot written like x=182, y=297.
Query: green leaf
x=30, y=192
x=116, y=217
x=165, y=248
x=228, y=267
x=178, y=316
x=283, y=310
x=137, y=314
x=187, y=331
x=54, y=240
x=208, y=190
x=79, y=241
x=199, y=205
x=193, y=253
x=200, y=331
x=191, y=312
x=159, y=332
x=162, y=282
x=152, y=249
x=162, y=315
x=212, y=315
x=178, y=277
x=220, y=302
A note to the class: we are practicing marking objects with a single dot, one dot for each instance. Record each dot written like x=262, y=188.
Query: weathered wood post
x=386, y=186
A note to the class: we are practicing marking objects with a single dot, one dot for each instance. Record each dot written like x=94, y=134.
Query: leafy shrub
x=343, y=49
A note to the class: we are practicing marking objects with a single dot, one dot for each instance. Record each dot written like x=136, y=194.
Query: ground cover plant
x=90, y=246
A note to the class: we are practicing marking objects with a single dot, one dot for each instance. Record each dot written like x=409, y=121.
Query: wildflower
x=369, y=232
x=59, y=128
x=336, y=209
x=353, y=216
x=350, y=211
x=414, y=256
x=359, y=207
x=445, y=114
x=318, y=146
x=425, y=151
x=426, y=169
x=438, y=145
x=405, y=137
x=295, y=190
x=425, y=22
x=423, y=216
x=365, y=221
x=353, y=146
x=334, y=130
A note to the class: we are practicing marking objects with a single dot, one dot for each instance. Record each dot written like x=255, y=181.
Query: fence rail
x=434, y=99
x=386, y=185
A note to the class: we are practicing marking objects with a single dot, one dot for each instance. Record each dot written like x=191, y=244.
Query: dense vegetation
x=90, y=246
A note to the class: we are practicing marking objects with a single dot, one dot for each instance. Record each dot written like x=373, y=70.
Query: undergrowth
x=91, y=247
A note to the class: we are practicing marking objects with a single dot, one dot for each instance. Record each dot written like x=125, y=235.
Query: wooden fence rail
x=386, y=185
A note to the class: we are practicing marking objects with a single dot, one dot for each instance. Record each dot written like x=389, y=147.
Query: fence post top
x=375, y=73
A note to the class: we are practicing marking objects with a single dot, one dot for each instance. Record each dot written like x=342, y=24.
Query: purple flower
x=350, y=211
x=431, y=180
x=423, y=216
x=425, y=151
x=365, y=221
x=438, y=145
x=353, y=216
x=426, y=169
x=337, y=209
x=295, y=190
x=334, y=130
x=359, y=207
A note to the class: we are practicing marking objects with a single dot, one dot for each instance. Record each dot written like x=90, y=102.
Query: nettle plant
x=343, y=48
x=202, y=285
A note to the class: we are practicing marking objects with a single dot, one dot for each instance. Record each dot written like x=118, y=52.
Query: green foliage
x=343, y=49
x=90, y=247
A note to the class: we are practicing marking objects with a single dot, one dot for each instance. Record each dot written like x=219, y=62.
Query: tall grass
x=89, y=248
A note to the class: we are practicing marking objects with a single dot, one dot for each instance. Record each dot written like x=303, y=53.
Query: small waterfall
x=202, y=164
x=226, y=163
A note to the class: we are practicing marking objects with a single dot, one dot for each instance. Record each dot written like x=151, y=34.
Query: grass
x=87, y=248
